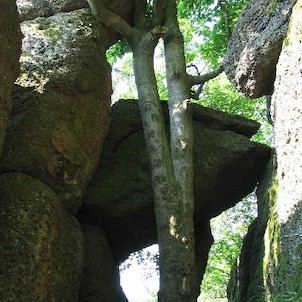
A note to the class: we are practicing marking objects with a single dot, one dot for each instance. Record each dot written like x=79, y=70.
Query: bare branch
x=170, y=13
x=197, y=80
x=158, y=12
x=110, y=19
x=140, y=14
x=201, y=79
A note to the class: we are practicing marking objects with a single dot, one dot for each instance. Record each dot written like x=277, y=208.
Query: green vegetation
x=228, y=230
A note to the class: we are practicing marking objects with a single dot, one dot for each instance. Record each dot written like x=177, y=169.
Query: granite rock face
x=100, y=274
x=255, y=46
x=31, y=9
x=61, y=105
x=270, y=264
x=120, y=199
x=10, y=49
x=50, y=164
x=287, y=118
x=40, y=251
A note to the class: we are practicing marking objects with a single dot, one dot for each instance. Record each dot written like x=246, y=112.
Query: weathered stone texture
x=255, y=46
x=271, y=269
x=287, y=117
x=10, y=49
x=247, y=278
x=100, y=276
x=61, y=108
x=120, y=198
x=31, y=9
x=40, y=250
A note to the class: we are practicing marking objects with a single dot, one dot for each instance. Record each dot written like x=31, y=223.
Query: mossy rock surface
x=40, y=247
x=287, y=117
x=10, y=49
x=61, y=105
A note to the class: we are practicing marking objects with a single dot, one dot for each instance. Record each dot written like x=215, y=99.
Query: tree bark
x=171, y=164
x=177, y=265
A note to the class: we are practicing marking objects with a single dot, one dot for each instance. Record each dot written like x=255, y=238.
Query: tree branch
x=201, y=79
x=170, y=13
x=139, y=14
x=158, y=12
x=110, y=19
x=198, y=80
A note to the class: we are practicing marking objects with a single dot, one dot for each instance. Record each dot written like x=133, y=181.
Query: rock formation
x=287, y=118
x=120, y=198
x=50, y=136
x=270, y=261
x=41, y=244
x=76, y=199
x=255, y=45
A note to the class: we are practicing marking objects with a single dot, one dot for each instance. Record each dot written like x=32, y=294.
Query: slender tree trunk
x=171, y=164
x=172, y=175
x=180, y=260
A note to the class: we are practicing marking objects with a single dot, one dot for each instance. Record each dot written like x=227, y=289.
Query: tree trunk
x=172, y=175
x=179, y=259
x=171, y=165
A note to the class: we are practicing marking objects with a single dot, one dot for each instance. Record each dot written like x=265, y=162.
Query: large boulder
x=100, y=276
x=40, y=250
x=10, y=49
x=61, y=107
x=31, y=9
x=255, y=46
x=287, y=118
x=120, y=198
x=270, y=265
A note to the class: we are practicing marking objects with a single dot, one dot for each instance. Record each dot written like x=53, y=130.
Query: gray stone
x=287, y=117
x=255, y=46
x=100, y=275
x=31, y=9
x=270, y=265
x=120, y=199
x=61, y=107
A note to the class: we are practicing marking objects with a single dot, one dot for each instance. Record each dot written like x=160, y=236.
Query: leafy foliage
x=212, y=21
x=117, y=51
x=228, y=230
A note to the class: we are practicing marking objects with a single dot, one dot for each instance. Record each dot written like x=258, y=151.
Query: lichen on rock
x=40, y=251
x=255, y=46
x=61, y=106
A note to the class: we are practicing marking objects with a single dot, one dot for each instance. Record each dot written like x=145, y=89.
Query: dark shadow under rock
x=227, y=166
x=10, y=49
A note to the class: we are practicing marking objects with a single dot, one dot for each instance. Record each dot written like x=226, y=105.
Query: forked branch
x=110, y=19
